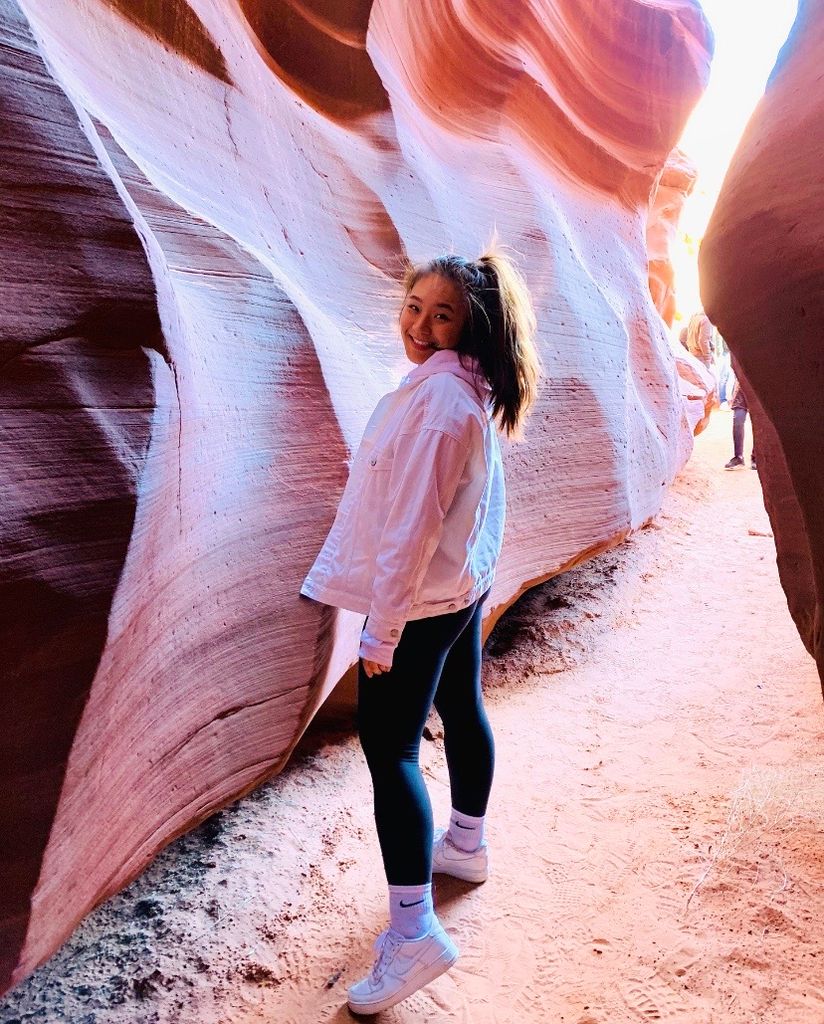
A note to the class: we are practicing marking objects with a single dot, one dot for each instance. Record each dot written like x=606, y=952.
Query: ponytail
x=499, y=331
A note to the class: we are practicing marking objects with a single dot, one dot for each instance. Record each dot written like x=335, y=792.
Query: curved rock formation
x=698, y=386
x=696, y=379
x=78, y=325
x=558, y=79
x=762, y=281
x=675, y=183
x=275, y=198
x=319, y=48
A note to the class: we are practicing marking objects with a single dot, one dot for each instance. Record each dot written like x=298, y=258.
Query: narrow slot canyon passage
x=211, y=207
x=655, y=822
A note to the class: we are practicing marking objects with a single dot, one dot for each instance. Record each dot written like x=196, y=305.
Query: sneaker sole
x=465, y=874
x=423, y=977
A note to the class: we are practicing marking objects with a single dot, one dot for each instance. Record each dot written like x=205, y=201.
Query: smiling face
x=432, y=317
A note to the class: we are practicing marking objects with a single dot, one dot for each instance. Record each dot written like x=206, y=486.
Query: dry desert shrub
x=768, y=804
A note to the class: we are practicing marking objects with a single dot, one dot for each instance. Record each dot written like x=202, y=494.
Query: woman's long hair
x=499, y=331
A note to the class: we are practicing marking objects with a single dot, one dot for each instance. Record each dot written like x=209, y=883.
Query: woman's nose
x=422, y=325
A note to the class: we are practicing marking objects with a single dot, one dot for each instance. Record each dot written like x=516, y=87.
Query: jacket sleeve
x=426, y=470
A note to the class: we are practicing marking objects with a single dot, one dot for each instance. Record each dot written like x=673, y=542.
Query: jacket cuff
x=374, y=650
x=379, y=640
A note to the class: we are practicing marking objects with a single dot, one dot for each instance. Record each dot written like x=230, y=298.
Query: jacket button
x=452, y=606
x=373, y=462
x=393, y=632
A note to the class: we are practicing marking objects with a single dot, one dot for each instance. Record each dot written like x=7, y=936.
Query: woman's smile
x=420, y=344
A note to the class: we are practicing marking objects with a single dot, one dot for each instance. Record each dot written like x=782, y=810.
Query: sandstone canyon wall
x=170, y=485
x=80, y=348
x=699, y=388
x=762, y=284
x=676, y=182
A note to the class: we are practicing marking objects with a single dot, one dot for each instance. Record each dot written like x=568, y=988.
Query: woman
x=414, y=546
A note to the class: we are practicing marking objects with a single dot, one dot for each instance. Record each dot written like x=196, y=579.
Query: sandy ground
x=655, y=825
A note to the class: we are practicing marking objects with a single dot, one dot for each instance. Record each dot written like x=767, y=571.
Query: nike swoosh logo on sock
x=405, y=905
x=469, y=828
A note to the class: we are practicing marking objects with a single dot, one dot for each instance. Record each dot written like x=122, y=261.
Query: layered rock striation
x=278, y=162
x=80, y=346
x=762, y=282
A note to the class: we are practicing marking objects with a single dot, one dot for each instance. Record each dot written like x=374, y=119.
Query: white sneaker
x=401, y=968
x=447, y=859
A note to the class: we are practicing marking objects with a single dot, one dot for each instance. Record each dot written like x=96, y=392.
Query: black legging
x=438, y=659
x=739, y=419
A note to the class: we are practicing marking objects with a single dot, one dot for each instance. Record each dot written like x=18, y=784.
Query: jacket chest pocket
x=378, y=452
x=377, y=484
x=380, y=460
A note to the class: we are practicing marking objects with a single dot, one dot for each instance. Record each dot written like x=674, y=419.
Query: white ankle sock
x=465, y=832
x=410, y=910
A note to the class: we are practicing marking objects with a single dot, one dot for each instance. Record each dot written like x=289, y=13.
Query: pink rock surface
x=762, y=278
x=276, y=189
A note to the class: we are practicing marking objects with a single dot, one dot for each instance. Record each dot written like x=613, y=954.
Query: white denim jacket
x=420, y=524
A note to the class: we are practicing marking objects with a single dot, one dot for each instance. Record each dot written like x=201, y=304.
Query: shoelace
x=389, y=947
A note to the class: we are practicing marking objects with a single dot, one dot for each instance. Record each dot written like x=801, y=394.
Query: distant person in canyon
x=740, y=410
x=414, y=545
x=723, y=369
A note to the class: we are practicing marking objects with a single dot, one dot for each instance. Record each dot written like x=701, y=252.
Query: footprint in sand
x=652, y=1000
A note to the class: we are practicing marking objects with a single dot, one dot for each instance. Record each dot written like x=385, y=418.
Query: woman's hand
x=372, y=668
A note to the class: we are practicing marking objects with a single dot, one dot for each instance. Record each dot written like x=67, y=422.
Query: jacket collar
x=446, y=360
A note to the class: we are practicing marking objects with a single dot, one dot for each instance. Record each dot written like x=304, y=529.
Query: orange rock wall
x=762, y=282
x=278, y=161
x=676, y=182
x=697, y=383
